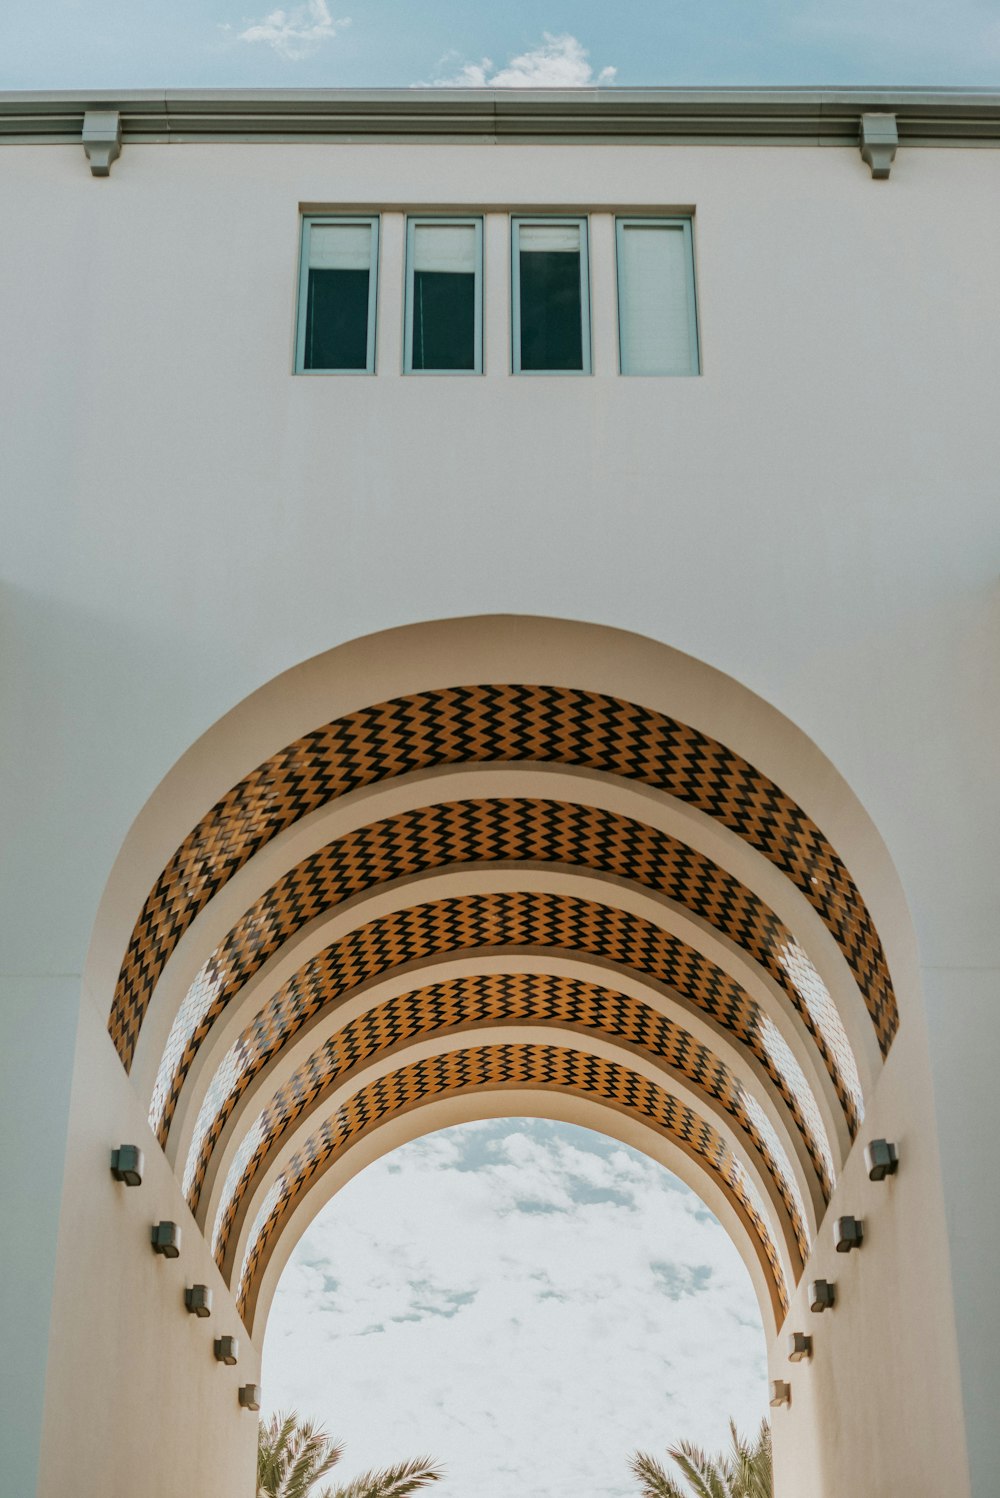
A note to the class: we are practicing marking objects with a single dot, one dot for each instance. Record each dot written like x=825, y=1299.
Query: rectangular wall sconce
x=848, y=1233
x=881, y=1159
x=822, y=1295
x=250, y=1396
x=800, y=1347
x=166, y=1239
x=198, y=1299
x=781, y=1393
x=127, y=1164
x=227, y=1350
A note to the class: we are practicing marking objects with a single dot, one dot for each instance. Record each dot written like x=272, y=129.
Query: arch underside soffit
x=491, y=724
x=507, y=830
x=476, y=1001
x=498, y=922
x=488, y=1068
x=702, y=1058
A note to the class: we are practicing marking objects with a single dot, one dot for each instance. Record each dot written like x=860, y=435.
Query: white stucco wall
x=878, y=1409
x=817, y=515
x=136, y=1401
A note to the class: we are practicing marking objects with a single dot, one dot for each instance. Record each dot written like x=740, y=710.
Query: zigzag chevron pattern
x=481, y=922
x=484, y=832
x=488, y=1068
x=496, y=724
x=491, y=999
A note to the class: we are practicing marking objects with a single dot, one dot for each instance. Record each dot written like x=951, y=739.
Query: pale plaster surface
x=816, y=516
x=135, y=1401
x=38, y=1023
x=878, y=1409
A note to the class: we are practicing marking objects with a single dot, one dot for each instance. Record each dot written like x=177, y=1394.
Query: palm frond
x=745, y=1472
x=709, y=1478
x=292, y=1455
x=398, y=1481
x=653, y=1479
x=751, y=1462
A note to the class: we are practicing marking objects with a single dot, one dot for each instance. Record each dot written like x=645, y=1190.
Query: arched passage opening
x=526, y=1300
x=500, y=864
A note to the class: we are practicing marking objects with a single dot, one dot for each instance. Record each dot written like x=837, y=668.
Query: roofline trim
x=723, y=116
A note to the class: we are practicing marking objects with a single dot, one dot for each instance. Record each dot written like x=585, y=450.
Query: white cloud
x=295, y=33
x=559, y=62
x=527, y=1301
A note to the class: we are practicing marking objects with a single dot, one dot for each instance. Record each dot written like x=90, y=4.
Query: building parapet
x=660, y=116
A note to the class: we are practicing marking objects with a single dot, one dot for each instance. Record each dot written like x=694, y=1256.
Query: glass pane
x=445, y=247
x=340, y=246
x=444, y=297
x=654, y=300
x=551, y=306
x=337, y=301
x=550, y=237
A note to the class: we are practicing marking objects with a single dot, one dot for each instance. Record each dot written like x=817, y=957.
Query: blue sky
x=528, y=1302
x=357, y=43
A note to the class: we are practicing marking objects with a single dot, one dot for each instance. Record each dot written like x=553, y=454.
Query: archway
x=533, y=1302
x=501, y=863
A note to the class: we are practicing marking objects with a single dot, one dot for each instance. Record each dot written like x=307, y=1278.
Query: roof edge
x=803, y=116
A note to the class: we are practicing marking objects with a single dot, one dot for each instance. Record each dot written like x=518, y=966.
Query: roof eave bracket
x=102, y=139
x=879, y=140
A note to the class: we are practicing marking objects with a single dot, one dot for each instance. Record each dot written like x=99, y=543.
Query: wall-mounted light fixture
x=822, y=1295
x=250, y=1396
x=198, y=1299
x=227, y=1350
x=781, y=1393
x=848, y=1233
x=800, y=1347
x=881, y=1159
x=127, y=1164
x=166, y=1239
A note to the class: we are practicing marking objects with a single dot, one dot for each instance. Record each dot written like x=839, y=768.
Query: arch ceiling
x=485, y=1068
x=473, y=944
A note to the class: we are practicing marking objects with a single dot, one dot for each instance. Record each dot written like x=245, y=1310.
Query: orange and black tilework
x=519, y=830
x=488, y=1068
x=506, y=920
x=496, y=999
x=492, y=724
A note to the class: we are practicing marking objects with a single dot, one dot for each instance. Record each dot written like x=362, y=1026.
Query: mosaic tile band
x=504, y=920
x=490, y=1068
x=518, y=830
x=493, y=999
x=490, y=724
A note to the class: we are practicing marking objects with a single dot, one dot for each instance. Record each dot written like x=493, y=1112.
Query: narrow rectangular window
x=550, y=296
x=337, y=289
x=444, y=300
x=657, y=319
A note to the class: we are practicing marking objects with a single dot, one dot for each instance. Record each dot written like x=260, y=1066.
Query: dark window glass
x=444, y=320
x=550, y=294
x=337, y=319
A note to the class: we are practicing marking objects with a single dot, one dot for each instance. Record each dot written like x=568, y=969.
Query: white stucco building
x=583, y=701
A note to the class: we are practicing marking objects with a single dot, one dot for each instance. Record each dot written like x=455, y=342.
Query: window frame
x=356, y=219
x=685, y=222
x=442, y=220
x=562, y=219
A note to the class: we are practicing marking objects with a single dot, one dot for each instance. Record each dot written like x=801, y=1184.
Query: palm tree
x=745, y=1472
x=293, y=1454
